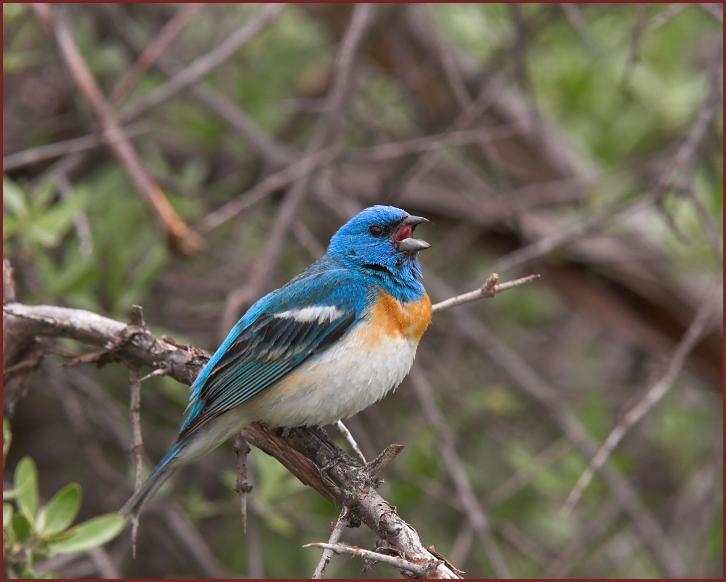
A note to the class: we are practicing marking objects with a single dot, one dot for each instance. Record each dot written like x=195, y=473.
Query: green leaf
x=14, y=199
x=7, y=514
x=90, y=534
x=21, y=528
x=7, y=437
x=26, y=487
x=62, y=509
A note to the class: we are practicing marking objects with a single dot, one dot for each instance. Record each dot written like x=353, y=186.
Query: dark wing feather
x=262, y=354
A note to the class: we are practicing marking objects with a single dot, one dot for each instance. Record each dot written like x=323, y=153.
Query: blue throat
x=398, y=274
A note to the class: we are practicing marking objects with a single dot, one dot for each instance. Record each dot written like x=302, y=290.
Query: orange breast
x=391, y=318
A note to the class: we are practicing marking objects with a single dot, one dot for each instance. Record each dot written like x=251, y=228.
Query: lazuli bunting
x=331, y=342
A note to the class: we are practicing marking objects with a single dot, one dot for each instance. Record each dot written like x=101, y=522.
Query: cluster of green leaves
x=32, y=531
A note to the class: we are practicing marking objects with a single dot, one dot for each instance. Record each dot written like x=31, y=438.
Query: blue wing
x=263, y=347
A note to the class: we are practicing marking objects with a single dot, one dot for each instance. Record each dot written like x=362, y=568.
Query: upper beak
x=409, y=244
x=414, y=220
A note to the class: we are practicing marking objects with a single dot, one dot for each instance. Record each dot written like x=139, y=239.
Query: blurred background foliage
x=601, y=99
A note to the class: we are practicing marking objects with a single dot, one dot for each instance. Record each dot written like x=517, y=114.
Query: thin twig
x=652, y=396
x=64, y=148
x=137, y=444
x=153, y=51
x=347, y=435
x=489, y=289
x=396, y=562
x=334, y=538
x=242, y=486
x=270, y=184
x=204, y=64
x=473, y=509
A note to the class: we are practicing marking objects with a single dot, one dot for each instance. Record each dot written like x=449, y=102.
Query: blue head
x=378, y=241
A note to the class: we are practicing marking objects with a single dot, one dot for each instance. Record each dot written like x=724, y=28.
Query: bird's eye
x=375, y=230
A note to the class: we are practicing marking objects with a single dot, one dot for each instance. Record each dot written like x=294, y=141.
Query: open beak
x=403, y=239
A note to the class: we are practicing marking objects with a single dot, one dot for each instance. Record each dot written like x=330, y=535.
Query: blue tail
x=156, y=479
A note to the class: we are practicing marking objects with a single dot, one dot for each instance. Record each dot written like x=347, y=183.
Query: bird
x=329, y=343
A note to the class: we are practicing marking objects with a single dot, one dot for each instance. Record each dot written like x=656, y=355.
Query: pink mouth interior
x=403, y=233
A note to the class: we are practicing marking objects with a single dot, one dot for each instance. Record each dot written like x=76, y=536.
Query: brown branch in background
x=181, y=238
x=713, y=9
x=264, y=188
x=153, y=51
x=228, y=111
x=472, y=509
x=64, y=148
x=203, y=65
x=652, y=396
x=242, y=485
x=137, y=444
x=589, y=225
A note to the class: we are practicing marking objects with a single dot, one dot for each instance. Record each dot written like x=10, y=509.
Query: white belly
x=336, y=384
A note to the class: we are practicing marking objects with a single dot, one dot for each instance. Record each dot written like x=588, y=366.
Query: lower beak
x=412, y=245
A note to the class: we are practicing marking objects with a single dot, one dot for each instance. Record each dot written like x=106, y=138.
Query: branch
x=242, y=486
x=302, y=451
x=489, y=289
x=334, y=537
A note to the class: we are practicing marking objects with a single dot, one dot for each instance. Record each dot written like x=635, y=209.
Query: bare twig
x=350, y=440
x=652, y=396
x=396, y=562
x=64, y=148
x=270, y=184
x=490, y=288
x=137, y=444
x=473, y=510
x=242, y=486
x=334, y=538
x=713, y=10
x=153, y=50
